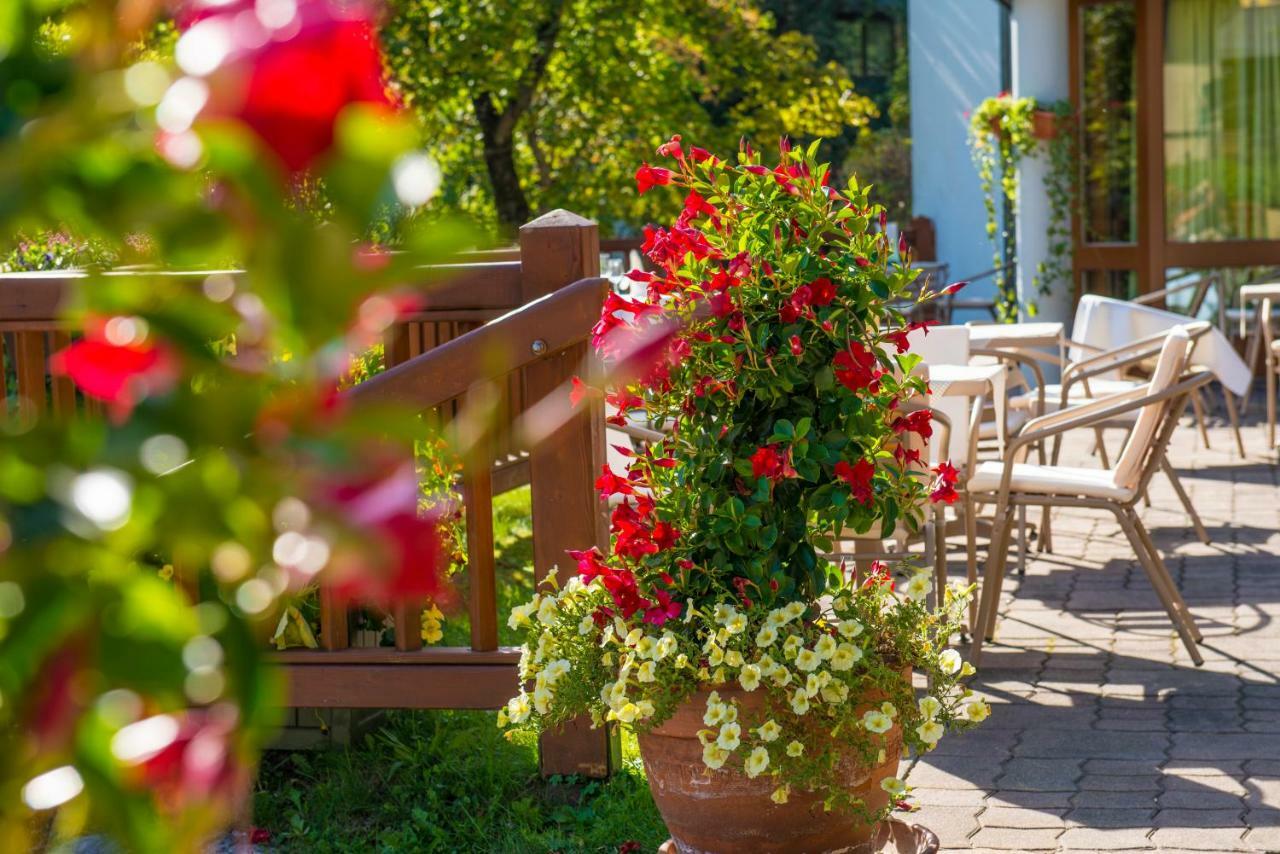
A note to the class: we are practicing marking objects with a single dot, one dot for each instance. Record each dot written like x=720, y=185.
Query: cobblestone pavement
x=1103, y=734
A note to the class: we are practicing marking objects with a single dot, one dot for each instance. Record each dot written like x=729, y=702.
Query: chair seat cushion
x=1053, y=393
x=1049, y=480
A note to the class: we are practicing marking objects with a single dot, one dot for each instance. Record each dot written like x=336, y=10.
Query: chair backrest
x=941, y=345
x=1169, y=367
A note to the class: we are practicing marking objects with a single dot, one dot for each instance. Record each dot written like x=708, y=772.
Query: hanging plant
x=1060, y=185
x=1003, y=130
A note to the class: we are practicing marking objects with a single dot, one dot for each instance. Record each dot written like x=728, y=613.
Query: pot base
x=891, y=837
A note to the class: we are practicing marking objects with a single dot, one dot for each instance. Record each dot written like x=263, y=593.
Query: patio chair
x=1014, y=483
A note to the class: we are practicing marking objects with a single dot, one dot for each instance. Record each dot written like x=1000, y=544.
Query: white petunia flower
x=794, y=749
x=749, y=678
x=929, y=707
x=950, y=662
x=713, y=756
x=919, y=587
x=807, y=660
x=730, y=736
x=800, y=702
x=766, y=636
x=894, y=786
x=849, y=629
x=769, y=730
x=757, y=762
x=977, y=711
x=875, y=721
x=930, y=731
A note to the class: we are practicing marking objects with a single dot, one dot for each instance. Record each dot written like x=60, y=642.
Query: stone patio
x=1103, y=735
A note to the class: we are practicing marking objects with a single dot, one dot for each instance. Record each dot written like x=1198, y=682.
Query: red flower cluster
x=408, y=562
x=769, y=463
x=858, y=476
x=289, y=83
x=623, y=589
x=648, y=177
x=122, y=374
x=919, y=422
x=899, y=337
x=856, y=368
x=944, y=489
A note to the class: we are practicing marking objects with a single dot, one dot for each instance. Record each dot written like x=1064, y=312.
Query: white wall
x=1040, y=71
x=955, y=63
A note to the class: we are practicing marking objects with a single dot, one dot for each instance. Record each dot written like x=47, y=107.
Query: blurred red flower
x=119, y=374
x=290, y=80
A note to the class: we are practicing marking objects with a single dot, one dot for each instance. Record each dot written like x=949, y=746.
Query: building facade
x=1177, y=106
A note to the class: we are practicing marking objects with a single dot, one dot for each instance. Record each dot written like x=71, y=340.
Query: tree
x=547, y=103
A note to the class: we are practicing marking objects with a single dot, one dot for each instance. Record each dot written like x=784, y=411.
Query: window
x=1222, y=120
x=1108, y=110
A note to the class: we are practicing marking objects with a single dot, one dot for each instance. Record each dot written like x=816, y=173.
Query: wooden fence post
x=557, y=249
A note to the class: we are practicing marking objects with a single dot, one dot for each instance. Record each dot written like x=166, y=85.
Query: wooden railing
x=519, y=323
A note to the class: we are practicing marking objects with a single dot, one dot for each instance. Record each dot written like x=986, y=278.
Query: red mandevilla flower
x=119, y=374
x=290, y=83
x=919, y=422
x=858, y=476
x=856, y=368
x=823, y=291
x=648, y=177
x=797, y=346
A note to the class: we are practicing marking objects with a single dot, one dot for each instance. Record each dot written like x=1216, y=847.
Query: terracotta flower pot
x=1044, y=124
x=718, y=812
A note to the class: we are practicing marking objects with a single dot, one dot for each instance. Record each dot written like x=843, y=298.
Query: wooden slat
x=477, y=492
x=559, y=320
x=471, y=286
x=64, y=390
x=408, y=620
x=400, y=686
x=556, y=248
x=31, y=367
x=334, y=627
x=435, y=655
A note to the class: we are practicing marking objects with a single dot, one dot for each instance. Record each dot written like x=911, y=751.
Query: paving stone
x=1105, y=839
x=953, y=825
x=1120, y=783
x=1040, y=775
x=1200, y=838
x=1020, y=817
x=1200, y=800
x=951, y=797
x=1196, y=745
x=1199, y=818
x=1016, y=839
x=1051, y=744
x=1096, y=798
x=1111, y=817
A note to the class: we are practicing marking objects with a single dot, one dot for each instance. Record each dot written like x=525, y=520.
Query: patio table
x=1106, y=323
x=953, y=388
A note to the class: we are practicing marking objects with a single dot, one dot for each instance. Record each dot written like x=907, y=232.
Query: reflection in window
x=1108, y=107
x=1222, y=120
x=1120, y=284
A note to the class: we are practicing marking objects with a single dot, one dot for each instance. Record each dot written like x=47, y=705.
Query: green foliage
x=446, y=782
x=225, y=427
x=782, y=379
x=1001, y=133
x=881, y=159
x=1061, y=186
x=539, y=104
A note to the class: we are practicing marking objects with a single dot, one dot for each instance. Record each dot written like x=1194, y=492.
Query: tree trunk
x=500, y=160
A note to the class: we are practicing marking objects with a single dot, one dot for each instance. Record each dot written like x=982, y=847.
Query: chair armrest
x=1092, y=414
x=1098, y=412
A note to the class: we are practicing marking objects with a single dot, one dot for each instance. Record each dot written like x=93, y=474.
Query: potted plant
x=771, y=690
x=1002, y=131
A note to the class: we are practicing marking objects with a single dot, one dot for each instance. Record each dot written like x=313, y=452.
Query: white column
x=1040, y=71
x=955, y=63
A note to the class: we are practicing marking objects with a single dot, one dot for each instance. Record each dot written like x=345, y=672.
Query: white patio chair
x=1014, y=483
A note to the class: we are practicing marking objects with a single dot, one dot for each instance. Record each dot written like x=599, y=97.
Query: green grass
x=447, y=781
x=450, y=781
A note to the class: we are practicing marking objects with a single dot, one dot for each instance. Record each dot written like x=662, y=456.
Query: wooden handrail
x=557, y=320
x=38, y=297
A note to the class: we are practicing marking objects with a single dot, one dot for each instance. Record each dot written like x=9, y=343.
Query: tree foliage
x=539, y=104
